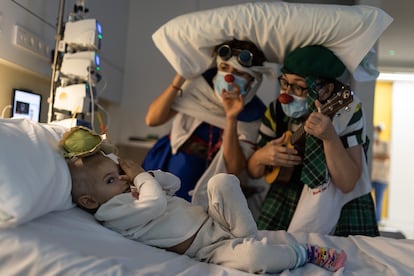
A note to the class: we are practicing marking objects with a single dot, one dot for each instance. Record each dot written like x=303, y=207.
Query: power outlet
x=27, y=40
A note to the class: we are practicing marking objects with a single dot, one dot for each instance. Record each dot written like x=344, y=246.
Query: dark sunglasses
x=244, y=57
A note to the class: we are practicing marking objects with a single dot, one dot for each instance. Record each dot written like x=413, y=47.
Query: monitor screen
x=26, y=104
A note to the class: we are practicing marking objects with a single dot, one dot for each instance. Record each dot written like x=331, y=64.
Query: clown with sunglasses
x=215, y=119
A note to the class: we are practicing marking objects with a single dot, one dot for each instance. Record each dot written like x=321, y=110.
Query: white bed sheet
x=71, y=242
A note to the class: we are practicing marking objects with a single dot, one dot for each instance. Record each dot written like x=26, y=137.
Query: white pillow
x=277, y=28
x=34, y=177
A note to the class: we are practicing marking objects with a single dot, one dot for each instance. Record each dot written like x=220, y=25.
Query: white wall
x=147, y=72
x=40, y=18
x=36, y=17
x=134, y=71
x=113, y=16
x=401, y=187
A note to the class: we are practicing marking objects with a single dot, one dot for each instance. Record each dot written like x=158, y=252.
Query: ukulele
x=340, y=99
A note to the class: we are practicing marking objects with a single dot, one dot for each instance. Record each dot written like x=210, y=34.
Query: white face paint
x=297, y=108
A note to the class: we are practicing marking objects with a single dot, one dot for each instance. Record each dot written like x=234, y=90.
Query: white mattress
x=71, y=242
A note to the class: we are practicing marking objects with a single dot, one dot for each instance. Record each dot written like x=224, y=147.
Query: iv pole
x=58, y=38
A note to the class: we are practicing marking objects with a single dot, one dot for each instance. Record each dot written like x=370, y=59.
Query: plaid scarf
x=314, y=163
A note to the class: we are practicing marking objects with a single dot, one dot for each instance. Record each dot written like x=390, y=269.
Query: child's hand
x=134, y=192
x=130, y=168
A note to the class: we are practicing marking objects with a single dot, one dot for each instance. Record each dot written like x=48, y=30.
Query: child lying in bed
x=141, y=206
x=151, y=214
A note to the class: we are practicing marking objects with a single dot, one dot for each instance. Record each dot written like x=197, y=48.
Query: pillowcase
x=277, y=28
x=34, y=176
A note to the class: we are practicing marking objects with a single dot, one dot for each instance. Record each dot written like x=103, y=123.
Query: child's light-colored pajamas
x=226, y=232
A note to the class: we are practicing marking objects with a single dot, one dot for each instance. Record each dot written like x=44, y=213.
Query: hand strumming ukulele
x=339, y=100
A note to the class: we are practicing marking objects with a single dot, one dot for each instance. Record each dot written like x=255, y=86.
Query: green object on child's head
x=80, y=141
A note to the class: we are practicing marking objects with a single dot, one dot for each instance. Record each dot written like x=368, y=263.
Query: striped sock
x=329, y=258
x=301, y=254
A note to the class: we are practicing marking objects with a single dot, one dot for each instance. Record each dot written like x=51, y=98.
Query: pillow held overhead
x=277, y=28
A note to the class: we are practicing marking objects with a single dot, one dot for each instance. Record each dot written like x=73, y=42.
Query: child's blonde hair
x=82, y=173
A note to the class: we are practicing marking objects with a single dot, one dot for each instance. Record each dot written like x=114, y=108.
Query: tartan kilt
x=280, y=204
x=358, y=218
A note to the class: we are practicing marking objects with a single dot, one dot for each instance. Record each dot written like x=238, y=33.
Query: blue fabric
x=189, y=168
x=158, y=156
x=301, y=254
x=379, y=188
x=252, y=111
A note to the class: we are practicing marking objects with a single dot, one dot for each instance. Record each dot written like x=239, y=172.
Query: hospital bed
x=71, y=242
x=43, y=233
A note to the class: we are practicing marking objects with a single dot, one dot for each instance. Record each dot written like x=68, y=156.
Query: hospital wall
x=39, y=19
x=147, y=72
x=133, y=72
x=12, y=76
x=20, y=68
x=401, y=188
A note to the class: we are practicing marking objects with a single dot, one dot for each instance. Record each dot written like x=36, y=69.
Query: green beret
x=313, y=61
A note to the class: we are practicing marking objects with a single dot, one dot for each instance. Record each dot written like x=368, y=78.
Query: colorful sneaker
x=329, y=258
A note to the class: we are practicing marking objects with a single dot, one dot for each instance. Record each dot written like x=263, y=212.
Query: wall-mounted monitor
x=26, y=104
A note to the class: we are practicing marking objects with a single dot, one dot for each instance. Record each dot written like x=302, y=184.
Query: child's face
x=106, y=182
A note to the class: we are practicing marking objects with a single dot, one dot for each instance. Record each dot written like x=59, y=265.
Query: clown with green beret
x=311, y=150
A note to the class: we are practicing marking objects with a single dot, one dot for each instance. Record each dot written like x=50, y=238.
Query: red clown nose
x=285, y=98
x=229, y=78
